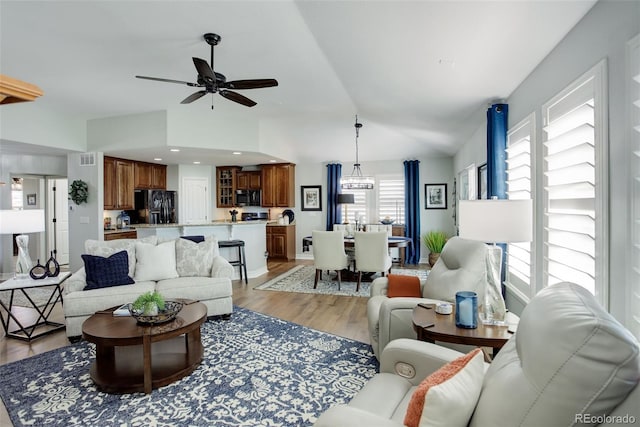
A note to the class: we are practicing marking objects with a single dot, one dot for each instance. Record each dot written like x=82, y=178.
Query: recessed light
x=272, y=161
x=236, y=153
x=196, y=163
x=175, y=150
x=158, y=159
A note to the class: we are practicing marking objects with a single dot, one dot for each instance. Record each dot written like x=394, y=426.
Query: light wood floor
x=339, y=315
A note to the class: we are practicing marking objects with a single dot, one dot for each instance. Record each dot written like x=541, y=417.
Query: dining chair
x=328, y=254
x=372, y=253
x=380, y=227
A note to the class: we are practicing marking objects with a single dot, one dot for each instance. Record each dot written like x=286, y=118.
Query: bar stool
x=240, y=262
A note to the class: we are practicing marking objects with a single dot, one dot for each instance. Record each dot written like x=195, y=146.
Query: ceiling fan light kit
x=213, y=82
x=357, y=181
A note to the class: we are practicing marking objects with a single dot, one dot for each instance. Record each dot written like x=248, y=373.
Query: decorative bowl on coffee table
x=170, y=311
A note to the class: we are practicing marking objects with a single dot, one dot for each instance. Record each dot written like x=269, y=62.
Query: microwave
x=248, y=197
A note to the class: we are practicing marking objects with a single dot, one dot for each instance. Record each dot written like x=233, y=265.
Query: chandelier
x=357, y=181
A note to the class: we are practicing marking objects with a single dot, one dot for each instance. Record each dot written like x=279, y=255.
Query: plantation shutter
x=359, y=207
x=391, y=199
x=570, y=188
x=519, y=187
x=633, y=55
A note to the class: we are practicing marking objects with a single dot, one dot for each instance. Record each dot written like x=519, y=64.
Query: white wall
x=122, y=132
x=602, y=33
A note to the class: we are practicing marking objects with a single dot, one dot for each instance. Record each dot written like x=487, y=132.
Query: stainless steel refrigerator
x=156, y=207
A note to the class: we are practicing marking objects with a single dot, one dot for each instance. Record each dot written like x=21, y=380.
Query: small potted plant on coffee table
x=149, y=303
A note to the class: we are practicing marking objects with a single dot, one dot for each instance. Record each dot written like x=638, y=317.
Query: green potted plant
x=434, y=241
x=149, y=303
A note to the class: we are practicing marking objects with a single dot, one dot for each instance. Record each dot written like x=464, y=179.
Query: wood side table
x=431, y=326
x=137, y=358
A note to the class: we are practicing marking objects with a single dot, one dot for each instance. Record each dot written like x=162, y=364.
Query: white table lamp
x=495, y=221
x=21, y=222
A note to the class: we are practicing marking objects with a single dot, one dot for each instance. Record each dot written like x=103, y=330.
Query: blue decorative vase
x=466, y=310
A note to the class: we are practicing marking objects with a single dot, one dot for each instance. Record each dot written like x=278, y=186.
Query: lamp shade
x=346, y=198
x=21, y=221
x=496, y=221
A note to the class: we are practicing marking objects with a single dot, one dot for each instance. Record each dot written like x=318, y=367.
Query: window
x=391, y=198
x=633, y=65
x=387, y=199
x=519, y=186
x=575, y=184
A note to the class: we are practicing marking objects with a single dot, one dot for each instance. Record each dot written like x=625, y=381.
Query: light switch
x=84, y=220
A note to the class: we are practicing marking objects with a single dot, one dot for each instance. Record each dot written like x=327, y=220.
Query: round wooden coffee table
x=431, y=326
x=133, y=358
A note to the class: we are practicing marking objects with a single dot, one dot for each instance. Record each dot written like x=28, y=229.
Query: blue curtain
x=334, y=210
x=412, y=209
x=497, y=125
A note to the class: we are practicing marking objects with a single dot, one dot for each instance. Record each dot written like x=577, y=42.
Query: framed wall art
x=435, y=196
x=311, y=197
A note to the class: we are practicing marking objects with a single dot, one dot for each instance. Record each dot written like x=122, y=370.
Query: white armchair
x=461, y=267
x=569, y=363
x=328, y=254
x=372, y=253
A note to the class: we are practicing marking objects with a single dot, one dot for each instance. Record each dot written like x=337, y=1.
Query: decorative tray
x=171, y=310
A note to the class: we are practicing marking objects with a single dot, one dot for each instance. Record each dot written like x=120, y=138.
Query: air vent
x=87, y=159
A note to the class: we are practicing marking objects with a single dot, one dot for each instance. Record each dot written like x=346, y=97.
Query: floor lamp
x=345, y=199
x=495, y=221
x=21, y=222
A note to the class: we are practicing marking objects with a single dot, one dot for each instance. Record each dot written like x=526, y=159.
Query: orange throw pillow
x=403, y=286
x=449, y=395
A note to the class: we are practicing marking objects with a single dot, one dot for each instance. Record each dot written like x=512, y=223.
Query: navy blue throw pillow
x=195, y=239
x=106, y=272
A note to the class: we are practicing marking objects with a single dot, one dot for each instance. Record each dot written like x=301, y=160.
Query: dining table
x=399, y=242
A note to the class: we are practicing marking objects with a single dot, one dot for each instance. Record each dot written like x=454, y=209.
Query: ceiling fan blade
x=205, y=71
x=251, y=84
x=168, y=80
x=236, y=97
x=196, y=95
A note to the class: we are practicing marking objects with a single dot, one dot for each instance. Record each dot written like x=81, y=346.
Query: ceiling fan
x=213, y=82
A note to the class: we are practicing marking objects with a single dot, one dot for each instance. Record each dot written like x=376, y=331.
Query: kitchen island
x=252, y=232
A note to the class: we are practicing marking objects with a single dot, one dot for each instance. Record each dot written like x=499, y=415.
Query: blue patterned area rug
x=301, y=277
x=257, y=371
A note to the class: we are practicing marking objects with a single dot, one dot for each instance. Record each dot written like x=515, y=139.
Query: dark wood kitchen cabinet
x=278, y=185
x=281, y=242
x=226, y=186
x=248, y=180
x=118, y=183
x=149, y=176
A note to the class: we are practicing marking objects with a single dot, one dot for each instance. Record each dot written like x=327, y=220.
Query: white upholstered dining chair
x=328, y=254
x=372, y=253
x=388, y=228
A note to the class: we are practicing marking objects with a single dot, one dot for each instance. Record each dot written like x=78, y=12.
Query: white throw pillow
x=449, y=396
x=155, y=262
x=107, y=248
x=194, y=259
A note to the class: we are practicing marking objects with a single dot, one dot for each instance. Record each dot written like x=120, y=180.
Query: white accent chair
x=569, y=363
x=461, y=267
x=372, y=253
x=328, y=254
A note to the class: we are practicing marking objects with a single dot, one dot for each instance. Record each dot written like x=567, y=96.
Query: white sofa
x=461, y=267
x=569, y=363
x=177, y=268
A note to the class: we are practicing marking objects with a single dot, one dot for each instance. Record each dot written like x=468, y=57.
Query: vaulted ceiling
x=419, y=74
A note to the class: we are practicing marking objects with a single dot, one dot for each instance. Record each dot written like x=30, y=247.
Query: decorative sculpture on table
x=21, y=222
